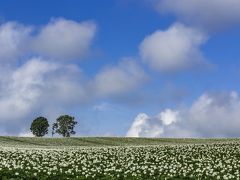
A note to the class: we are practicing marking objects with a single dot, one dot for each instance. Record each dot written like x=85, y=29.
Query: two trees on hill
x=64, y=126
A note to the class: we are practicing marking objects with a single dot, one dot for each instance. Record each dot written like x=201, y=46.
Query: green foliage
x=39, y=126
x=64, y=126
x=173, y=161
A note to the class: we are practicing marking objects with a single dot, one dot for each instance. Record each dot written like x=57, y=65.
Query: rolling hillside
x=101, y=141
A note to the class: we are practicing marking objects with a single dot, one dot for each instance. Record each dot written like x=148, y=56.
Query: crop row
x=206, y=161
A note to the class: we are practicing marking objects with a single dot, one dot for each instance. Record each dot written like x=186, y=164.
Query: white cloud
x=215, y=115
x=65, y=39
x=60, y=39
x=145, y=126
x=13, y=40
x=22, y=89
x=208, y=15
x=66, y=86
x=116, y=80
x=174, y=49
x=26, y=134
x=168, y=116
x=211, y=115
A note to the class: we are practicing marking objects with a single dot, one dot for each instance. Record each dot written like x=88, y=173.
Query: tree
x=39, y=126
x=64, y=126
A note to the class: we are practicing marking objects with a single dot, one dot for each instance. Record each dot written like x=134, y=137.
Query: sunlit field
x=119, y=158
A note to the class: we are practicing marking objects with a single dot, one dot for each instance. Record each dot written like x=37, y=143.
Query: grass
x=102, y=141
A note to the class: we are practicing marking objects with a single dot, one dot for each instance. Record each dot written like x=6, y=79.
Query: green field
x=119, y=158
x=102, y=141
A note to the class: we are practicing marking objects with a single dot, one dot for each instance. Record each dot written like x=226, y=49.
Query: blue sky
x=150, y=68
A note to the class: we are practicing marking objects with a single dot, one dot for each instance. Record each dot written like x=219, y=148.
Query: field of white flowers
x=172, y=161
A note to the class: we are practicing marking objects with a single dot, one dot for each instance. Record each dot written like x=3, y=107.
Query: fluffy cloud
x=60, y=39
x=209, y=15
x=215, y=115
x=22, y=89
x=174, y=49
x=64, y=39
x=66, y=86
x=145, y=126
x=122, y=78
x=13, y=40
x=211, y=115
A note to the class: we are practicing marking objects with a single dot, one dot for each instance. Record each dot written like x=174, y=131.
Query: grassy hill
x=101, y=141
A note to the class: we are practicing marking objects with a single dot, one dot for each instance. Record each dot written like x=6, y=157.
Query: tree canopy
x=39, y=126
x=64, y=126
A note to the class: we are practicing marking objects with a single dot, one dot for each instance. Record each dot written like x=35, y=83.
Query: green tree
x=39, y=126
x=64, y=126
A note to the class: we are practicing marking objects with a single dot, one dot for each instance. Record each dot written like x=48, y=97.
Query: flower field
x=218, y=160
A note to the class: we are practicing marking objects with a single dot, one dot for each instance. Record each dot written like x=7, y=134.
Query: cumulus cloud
x=145, y=126
x=22, y=89
x=66, y=85
x=205, y=14
x=60, y=39
x=174, y=49
x=122, y=78
x=20, y=94
x=211, y=115
x=64, y=39
x=215, y=115
x=13, y=40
